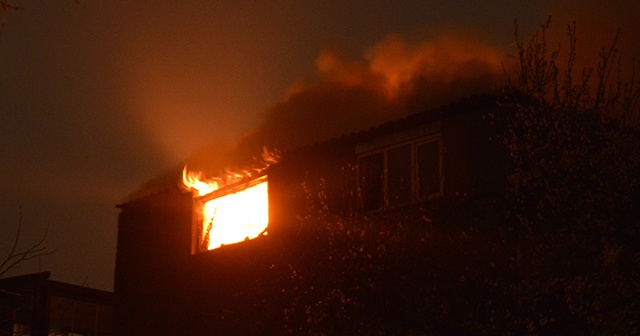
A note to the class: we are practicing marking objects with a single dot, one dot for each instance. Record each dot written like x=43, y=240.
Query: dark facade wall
x=233, y=290
x=153, y=234
x=475, y=161
x=300, y=179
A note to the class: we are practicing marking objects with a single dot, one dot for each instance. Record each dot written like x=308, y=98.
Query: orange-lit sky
x=97, y=97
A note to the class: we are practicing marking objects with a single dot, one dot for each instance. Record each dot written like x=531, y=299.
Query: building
x=170, y=279
x=34, y=305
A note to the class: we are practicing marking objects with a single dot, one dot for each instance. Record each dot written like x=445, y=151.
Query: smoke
x=393, y=79
x=397, y=77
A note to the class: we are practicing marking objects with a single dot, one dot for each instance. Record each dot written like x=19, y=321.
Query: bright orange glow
x=235, y=217
x=194, y=181
x=233, y=208
x=230, y=218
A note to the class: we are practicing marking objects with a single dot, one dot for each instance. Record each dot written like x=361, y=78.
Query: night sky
x=97, y=98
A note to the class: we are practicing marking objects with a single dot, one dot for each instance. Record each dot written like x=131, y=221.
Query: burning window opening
x=230, y=209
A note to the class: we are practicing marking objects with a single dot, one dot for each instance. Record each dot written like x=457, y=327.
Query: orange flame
x=194, y=181
x=235, y=217
x=234, y=207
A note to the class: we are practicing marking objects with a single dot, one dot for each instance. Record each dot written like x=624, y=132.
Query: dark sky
x=98, y=97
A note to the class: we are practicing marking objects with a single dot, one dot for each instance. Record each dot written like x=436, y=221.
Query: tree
x=6, y=7
x=575, y=189
x=17, y=256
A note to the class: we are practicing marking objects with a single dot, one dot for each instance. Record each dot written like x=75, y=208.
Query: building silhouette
x=420, y=166
x=34, y=305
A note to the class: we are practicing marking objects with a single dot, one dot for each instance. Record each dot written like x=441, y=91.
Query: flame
x=194, y=181
x=240, y=213
x=235, y=217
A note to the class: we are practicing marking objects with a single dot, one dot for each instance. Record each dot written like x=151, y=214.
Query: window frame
x=197, y=222
x=414, y=167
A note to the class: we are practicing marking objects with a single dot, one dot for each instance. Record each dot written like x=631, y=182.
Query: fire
x=235, y=217
x=233, y=208
x=194, y=181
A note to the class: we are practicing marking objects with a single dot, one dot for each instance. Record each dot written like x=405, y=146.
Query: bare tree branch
x=15, y=257
x=5, y=7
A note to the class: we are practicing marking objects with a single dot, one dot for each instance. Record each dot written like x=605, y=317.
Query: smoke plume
x=395, y=78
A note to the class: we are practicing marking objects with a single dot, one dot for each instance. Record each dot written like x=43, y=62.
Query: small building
x=36, y=306
x=169, y=280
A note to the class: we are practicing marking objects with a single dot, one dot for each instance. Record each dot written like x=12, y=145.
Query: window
x=232, y=214
x=428, y=169
x=71, y=317
x=400, y=174
x=372, y=181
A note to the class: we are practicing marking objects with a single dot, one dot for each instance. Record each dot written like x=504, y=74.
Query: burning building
x=209, y=256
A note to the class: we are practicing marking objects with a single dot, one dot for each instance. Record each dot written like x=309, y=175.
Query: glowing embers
x=231, y=214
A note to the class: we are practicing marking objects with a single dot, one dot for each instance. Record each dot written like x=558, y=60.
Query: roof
x=27, y=284
x=162, y=184
x=463, y=106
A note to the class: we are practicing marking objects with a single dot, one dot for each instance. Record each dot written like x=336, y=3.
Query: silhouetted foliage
x=575, y=191
x=419, y=271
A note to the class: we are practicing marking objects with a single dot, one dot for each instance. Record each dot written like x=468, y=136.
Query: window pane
x=399, y=175
x=428, y=169
x=371, y=181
